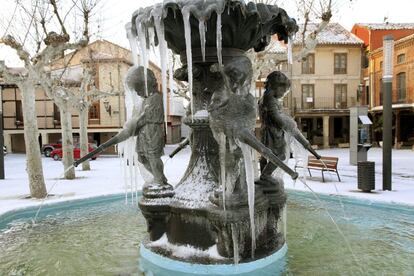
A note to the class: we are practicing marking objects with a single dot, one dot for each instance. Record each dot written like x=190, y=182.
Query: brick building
x=403, y=78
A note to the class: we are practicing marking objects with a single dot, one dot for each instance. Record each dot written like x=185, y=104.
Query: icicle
x=235, y=237
x=122, y=165
x=250, y=189
x=132, y=44
x=159, y=26
x=187, y=32
x=130, y=167
x=202, y=31
x=289, y=52
x=135, y=164
x=151, y=38
x=219, y=38
x=222, y=158
x=144, y=53
x=170, y=75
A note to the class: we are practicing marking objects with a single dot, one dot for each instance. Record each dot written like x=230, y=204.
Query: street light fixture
x=388, y=52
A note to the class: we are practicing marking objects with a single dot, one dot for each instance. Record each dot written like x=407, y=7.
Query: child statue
x=275, y=123
x=148, y=127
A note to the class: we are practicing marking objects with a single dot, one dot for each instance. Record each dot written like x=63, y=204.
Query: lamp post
x=1, y=136
x=388, y=50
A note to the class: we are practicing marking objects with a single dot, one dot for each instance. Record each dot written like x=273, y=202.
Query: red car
x=48, y=148
x=57, y=154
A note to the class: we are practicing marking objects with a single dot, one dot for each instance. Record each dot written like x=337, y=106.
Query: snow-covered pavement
x=402, y=177
x=106, y=178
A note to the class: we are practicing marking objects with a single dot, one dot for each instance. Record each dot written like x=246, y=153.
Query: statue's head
x=277, y=84
x=239, y=72
x=135, y=80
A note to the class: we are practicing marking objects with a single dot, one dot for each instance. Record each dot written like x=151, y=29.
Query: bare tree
x=82, y=101
x=47, y=44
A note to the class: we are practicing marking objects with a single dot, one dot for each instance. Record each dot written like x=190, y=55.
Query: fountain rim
x=211, y=269
x=49, y=207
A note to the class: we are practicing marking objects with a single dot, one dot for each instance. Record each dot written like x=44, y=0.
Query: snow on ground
x=106, y=178
x=402, y=177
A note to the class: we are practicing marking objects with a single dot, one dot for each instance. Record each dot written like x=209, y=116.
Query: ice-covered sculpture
x=216, y=210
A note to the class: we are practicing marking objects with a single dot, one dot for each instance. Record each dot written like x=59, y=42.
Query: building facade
x=324, y=84
x=106, y=116
x=403, y=79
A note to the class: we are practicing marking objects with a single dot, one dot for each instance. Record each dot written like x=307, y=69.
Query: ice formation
x=146, y=21
x=186, y=251
x=187, y=30
x=247, y=156
x=289, y=52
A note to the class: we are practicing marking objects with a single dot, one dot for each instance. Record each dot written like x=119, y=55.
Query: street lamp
x=388, y=52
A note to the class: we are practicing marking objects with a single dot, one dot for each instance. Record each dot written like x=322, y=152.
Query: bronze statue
x=275, y=123
x=148, y=127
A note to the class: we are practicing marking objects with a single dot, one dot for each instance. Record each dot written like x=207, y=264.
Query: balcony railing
x=312, y=103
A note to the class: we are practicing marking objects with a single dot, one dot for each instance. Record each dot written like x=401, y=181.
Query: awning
x=365, y=120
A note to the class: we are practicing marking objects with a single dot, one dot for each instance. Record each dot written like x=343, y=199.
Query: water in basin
x=103, y=239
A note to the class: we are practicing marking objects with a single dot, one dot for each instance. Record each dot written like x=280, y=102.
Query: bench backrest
x=330, y=162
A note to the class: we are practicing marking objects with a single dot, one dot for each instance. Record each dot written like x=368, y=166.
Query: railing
x=311, y=103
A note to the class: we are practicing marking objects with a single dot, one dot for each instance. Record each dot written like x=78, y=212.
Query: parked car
x=48, y=148
x=57, y=154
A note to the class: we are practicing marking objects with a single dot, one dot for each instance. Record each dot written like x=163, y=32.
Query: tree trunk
x=67, y=140
x=83, y=133
x=31, y=139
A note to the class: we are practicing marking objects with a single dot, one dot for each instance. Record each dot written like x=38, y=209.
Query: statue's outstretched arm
x=289, y=125
x=181, y=145
x=248, y=138
x=130, y=128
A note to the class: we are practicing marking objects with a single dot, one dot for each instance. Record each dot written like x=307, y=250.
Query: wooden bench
x=326, y=163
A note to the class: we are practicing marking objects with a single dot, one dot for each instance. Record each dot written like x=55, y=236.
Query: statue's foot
x=155, y=190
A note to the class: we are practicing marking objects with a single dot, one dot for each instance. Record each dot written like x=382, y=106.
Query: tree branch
x=56, y=12
x=21, y=53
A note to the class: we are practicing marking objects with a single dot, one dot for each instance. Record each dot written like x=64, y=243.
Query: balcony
x=322, y=103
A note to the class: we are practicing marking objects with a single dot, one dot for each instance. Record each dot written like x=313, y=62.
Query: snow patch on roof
x=276, y=47
x=333, y=33
x=386, y=26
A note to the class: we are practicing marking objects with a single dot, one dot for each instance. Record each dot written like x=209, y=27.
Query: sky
x=114, y=14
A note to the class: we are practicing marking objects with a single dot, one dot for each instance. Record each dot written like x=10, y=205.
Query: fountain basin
x=102, y=235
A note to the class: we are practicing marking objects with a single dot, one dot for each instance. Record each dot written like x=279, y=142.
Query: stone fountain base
x=152, y=263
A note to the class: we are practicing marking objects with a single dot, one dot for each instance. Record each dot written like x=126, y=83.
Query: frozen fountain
x=216, y=220
x=216, y=214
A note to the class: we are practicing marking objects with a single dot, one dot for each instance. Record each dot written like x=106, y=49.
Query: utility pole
x=388, y=52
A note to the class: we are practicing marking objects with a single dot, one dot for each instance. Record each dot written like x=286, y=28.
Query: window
x=308, y=65
x=56, y=115
x=94, y=114
x=401, y=58
x=19, y=113
x=367, y=95
x=381, y=96
x=401, y=87
x=307, y=96
x=340, y=63
x=340, y=96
